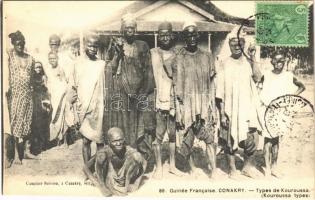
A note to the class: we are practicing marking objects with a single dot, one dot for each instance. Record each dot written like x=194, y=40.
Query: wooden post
x=209, y=42
x=155, y=39
x=81, y=43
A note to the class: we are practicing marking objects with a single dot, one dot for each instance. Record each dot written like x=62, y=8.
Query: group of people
x=128, y=102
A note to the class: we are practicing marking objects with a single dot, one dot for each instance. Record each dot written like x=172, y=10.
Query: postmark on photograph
x=289, y=114
x=282, y=24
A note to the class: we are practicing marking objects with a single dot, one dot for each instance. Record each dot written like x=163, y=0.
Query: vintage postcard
x=206, y=99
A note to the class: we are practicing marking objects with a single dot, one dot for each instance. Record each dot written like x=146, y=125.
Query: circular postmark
x=289, y=114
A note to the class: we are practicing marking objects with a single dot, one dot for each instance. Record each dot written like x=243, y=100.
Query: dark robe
x=131, y=105
x=41, y=119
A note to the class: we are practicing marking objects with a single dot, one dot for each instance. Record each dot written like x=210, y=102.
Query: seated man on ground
x=118, y=167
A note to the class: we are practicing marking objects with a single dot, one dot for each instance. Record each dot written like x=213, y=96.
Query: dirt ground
x=296, y=160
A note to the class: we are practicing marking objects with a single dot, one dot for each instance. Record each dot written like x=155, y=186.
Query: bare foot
x=59, y=142
x=251, y=172
x=195, y=173
x=235, y=175
x=86, y=178
x=175, y=171
x=215, y=175
x=267, y=173
x=158, y=174
x=276, y=173
x=28, y=155
x=17, y=161
x=63, y=146
x=8, y=163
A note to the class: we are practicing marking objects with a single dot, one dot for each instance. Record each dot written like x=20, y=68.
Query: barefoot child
x=276, y=83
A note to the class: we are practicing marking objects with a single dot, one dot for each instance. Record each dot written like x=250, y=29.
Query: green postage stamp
x=282, y=24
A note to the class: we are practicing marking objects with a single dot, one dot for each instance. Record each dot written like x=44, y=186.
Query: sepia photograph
x=168, y=99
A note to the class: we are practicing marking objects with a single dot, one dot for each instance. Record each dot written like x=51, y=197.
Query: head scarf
x=225, y=50
x=41, y=66
x=16, y=36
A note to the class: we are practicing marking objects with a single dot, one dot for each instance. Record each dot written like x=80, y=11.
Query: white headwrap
x=128, y=18
x=225, y=50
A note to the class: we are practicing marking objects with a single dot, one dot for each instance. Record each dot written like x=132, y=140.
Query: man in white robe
x=236, y=91
x=88, y=95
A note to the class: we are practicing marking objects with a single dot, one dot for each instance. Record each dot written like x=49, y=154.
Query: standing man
x=133, y=86
x=163, y=58
x=238, y=100
x=193, y=79
x=88, y=92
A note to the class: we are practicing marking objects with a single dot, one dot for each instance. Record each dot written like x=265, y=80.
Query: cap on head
x=128, y=20
x=54, y=39
x=16, y=36
x=39, y=62
x=189, y=24
x=165, y=26
x=112, y=132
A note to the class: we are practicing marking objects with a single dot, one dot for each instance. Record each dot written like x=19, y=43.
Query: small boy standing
x=276, y=83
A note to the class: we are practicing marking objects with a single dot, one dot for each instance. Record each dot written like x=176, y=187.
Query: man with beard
x=132, y=87
x=163, y=58
x=119, y=168
x=194, y=89
x=87, y=94
x=238, y=104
